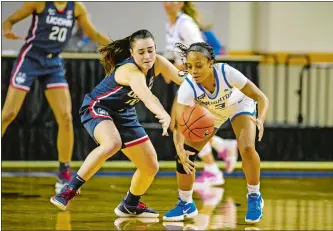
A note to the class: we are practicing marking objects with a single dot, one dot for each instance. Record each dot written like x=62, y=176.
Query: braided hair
x=196, y=47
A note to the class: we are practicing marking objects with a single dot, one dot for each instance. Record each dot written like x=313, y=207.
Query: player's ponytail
x=191, y=10
x=119, y=50
x=113, y=53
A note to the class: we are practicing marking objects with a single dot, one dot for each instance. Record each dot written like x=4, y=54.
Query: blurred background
x=285, y=48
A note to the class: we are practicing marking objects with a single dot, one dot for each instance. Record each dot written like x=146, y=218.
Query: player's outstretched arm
x=26, y=9
x=179, y=141
x=87, y=26
x=178, y=137
x=237, y=79
x=167, y=69
x=137, y=82
x=252, y=91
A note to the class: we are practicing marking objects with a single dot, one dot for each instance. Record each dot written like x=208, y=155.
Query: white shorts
x=245, y=106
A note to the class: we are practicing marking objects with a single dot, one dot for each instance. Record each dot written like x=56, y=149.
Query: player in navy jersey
x=50, y=30
x=228, y=95
x=109, y=115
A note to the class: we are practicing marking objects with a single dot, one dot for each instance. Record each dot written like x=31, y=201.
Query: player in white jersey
x=184, y=26
x=181, y=27
x=227, y=94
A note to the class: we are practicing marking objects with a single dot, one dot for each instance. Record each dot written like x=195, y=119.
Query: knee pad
x=179, y=166
x=205, y=150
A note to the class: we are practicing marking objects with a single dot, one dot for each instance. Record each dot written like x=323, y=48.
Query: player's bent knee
x=247, y=149
x=179, y=166
x=111, y=148
x=66, y=119
x=152, y=169
x=8, y=116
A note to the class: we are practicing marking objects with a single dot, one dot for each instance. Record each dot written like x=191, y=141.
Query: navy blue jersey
x=51, y=29
x=114, y=96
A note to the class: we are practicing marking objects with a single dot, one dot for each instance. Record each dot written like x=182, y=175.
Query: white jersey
x=224, y=102
x=185, y=31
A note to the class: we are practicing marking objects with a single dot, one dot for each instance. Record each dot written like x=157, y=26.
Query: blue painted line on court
x=282, y=174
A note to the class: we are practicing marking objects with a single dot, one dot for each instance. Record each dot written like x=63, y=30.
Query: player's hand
x=260, y=126
x=165, y=121
x=184, y=159
x=11, y=35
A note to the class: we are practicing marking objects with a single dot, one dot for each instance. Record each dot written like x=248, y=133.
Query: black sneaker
x=141, y=210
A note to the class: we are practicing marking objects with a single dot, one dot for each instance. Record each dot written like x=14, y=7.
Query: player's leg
x=20, y=82
x=186, y=206
x=59, y=99
x=106, y=134
x=144, y=156
x=227, y=150
x=13, y=103
x=212, y=175
x=61, y=105
x=245, y=131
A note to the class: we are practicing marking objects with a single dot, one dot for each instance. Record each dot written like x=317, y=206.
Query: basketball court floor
x=294, y=200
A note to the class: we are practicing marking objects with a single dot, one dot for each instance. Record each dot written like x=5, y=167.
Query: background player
x=227, y=94
x=50, y=30
x=184, y=26
x=109, y=115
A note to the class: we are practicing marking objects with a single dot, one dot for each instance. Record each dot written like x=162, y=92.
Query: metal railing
x=274, y=57
x=286, y=79
x=327, y=67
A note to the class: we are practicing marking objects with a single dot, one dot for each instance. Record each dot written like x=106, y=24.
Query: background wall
x=280, y=26
x=243, y=26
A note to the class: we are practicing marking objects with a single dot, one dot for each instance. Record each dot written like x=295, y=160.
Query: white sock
x=213, y=168
x=218, y=143
x=207, y=149
x=186, y=195
x=253, y=188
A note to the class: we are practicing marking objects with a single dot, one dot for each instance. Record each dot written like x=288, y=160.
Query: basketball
x=196, y=124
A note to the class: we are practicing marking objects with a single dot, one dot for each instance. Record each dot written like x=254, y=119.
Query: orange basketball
x=196, y=123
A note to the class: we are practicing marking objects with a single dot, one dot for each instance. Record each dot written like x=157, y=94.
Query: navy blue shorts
x=126, y=122
x=31, y=65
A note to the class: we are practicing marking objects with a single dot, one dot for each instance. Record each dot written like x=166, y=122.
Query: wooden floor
x=290, y=204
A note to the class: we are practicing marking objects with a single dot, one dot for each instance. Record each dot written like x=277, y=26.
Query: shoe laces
x=181, y=203
x=141, y=205
x=254, y=203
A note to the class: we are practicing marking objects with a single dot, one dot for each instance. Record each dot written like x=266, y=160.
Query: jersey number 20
x=58, y=33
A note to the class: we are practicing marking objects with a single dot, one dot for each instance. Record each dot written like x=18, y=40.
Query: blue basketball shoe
x=183, y=209
x=255, y=205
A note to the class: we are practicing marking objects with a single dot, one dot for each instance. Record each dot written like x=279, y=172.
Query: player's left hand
x=164, y=120
x=260, y=126
x=11, y=35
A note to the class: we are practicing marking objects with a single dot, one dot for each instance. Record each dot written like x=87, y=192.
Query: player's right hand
x=184, y=159
x=11, y=35
x=165, y=121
